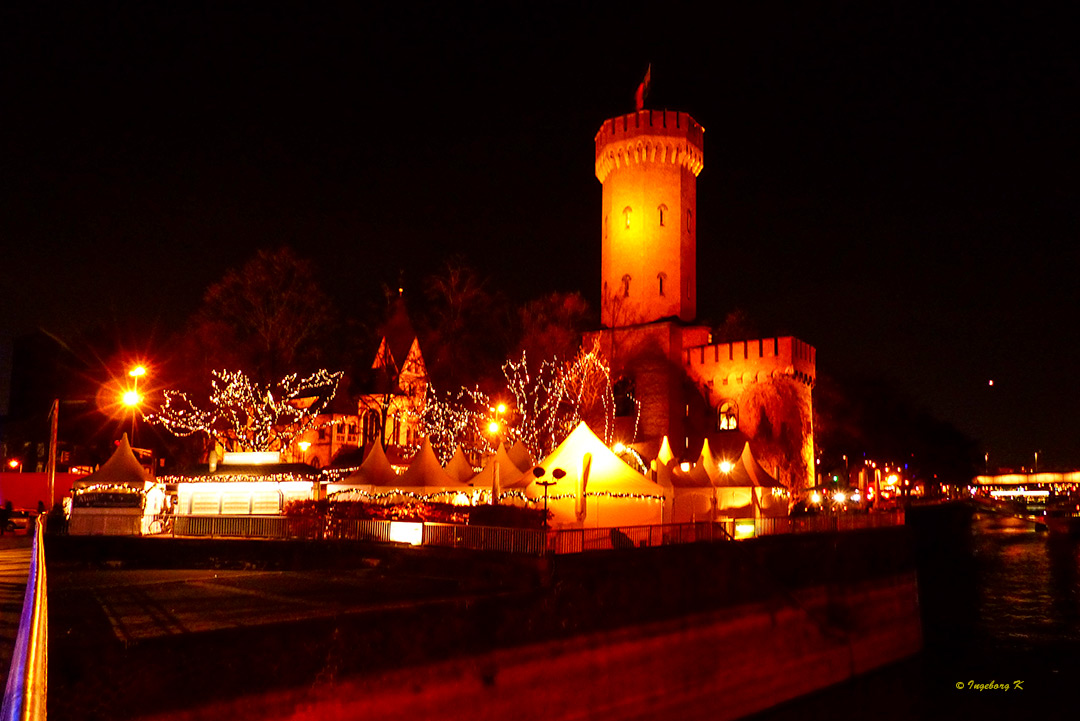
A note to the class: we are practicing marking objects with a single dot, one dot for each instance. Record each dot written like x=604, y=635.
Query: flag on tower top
x=643, y=89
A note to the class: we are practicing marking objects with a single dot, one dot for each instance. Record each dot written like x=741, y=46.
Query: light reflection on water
x=999, y=604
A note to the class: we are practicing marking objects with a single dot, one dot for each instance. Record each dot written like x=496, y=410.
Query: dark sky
x=895, y=183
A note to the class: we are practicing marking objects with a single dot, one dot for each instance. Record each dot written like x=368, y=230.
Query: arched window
x=626, y=212
x=661, y=276
x=626, y=285
x=372, y=424
x=663, y=209
x=727, y=418
x=689, y=219
x=625, y=403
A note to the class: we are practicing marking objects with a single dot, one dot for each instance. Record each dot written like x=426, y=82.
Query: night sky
x=895, y=183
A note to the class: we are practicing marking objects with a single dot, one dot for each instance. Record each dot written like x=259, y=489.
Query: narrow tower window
x=627, y=211
x=663, y=211
x=689, y=218
x=661, y=276
x=626, y=285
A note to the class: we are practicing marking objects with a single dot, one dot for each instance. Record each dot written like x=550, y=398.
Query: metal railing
x=27, y=681
x=513, y=540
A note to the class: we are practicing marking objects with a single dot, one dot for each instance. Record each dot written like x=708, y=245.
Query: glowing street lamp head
x=137, y=372
x=131, y=398
x=13, y=463
x=725, y=466
x=501, y=408
x=619, y=447
x=303, y=446
x=493, y=427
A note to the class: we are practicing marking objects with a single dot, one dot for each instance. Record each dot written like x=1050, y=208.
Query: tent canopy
x=122, y=469
x=374, y=471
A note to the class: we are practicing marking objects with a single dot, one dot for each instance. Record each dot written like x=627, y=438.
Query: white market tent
x=122, y=469
x=510, y=475
x=707, y=493
x=521, y=457
x=459, y=467
x=374, y=472
x=599, y=490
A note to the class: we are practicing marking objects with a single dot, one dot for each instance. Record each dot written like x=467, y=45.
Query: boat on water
x=1063, y=514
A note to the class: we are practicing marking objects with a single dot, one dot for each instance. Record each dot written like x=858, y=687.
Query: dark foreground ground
x=147, y=626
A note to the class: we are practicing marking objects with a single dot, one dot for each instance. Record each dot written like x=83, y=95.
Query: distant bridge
x=1015, y=506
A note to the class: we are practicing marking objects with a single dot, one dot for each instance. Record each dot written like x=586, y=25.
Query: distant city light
x=991, y=381
x=840, y=497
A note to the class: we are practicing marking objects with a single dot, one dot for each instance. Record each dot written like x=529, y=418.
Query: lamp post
x=132, y=399
x=556, y=473
x=303, y=446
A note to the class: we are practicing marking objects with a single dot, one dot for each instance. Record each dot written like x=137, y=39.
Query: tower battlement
x=652, y=136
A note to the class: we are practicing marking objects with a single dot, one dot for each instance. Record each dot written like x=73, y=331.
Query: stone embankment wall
x=734, y=629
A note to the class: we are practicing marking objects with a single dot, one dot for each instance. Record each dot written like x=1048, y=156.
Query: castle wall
x=770, y=382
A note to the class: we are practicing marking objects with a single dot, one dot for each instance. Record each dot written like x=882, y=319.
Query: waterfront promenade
x=15, y=553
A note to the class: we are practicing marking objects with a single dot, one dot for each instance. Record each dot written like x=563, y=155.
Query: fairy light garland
x=547, y=406
x=108, y=488
x=246, y=416
x=240, y=478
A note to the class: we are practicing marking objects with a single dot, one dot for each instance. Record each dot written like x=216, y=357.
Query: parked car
x=20, y=520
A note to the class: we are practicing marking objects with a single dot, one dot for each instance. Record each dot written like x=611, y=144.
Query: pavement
x=15, y=551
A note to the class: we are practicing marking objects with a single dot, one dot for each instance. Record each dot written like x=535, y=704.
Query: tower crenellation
x=654, y=136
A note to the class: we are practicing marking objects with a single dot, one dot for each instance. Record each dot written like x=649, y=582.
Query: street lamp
x=556, y=473
x=303, y=446
x=131, y=398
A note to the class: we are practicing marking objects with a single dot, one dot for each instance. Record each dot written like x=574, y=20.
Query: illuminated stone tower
x=648, y=162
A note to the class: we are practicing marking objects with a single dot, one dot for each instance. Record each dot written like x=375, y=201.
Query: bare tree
x=245, y=416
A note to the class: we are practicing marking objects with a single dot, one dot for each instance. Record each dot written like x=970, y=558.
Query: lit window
x=728, y=417
x=626, y=212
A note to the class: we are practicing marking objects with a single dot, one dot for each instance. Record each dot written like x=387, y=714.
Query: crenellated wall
x=750, y=361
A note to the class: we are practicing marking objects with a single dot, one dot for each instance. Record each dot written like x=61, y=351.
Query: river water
x=1001, y=608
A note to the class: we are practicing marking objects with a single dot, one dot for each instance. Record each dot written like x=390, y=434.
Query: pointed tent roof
x=510, y=476
x=521, y=457
x=122, y=469
x=746, y=471
x=665, y=456
x=705, y=471
x=425, y=471
x=459, y=467
x=374, y=471
x=607, y=472
x=758, y=475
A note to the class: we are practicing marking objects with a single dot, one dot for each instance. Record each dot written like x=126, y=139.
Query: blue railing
x=27, y=681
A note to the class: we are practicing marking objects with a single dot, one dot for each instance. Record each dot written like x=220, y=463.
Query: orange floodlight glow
x=131, y=398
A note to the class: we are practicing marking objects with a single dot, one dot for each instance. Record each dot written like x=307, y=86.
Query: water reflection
x=1000, y=602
